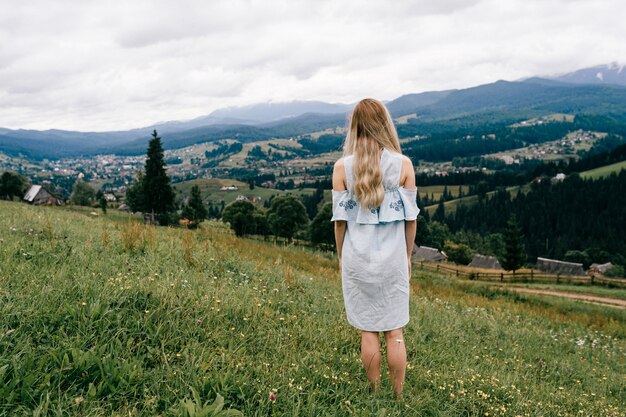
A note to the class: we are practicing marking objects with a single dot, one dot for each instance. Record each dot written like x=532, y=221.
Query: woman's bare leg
x=396, y=359
x=370, y=355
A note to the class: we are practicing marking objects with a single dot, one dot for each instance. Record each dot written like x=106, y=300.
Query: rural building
x=600, y=268
x=251, y=199
x=425, y=253
x=110, y=197
x=553, y=266
x=37, y=195
x=229, y=188
x=484, y=261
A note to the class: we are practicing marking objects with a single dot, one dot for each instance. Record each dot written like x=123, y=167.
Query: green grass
x=469, y=200
x=106, y=317
x=210, y=190
x=597, y=290
x=437, y=190
x=604, y=171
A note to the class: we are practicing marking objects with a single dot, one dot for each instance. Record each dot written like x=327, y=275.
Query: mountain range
x=596, y=90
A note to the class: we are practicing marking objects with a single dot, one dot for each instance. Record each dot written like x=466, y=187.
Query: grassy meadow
x=210, y=190
x=604, y=171
x=105, y=316
x=451, y=205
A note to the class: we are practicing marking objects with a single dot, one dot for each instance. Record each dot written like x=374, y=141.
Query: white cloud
x=91, y=65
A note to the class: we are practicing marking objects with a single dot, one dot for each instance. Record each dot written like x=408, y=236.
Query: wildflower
x=78, y=400
x=199, y=321
x=272, y=396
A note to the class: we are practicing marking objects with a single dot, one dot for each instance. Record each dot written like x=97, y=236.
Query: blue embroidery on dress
x=374, y=210
x=396, y=205
x=350, y=204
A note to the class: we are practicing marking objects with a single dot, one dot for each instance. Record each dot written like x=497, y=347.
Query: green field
x=604, y=171
x=451, y=205
x=436, y=190
x=210, y=190
x=102, y=316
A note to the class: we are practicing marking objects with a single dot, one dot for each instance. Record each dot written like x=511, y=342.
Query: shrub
x=458, y=253
x=616, y=271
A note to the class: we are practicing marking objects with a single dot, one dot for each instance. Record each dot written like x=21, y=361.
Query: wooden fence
x=532, y=276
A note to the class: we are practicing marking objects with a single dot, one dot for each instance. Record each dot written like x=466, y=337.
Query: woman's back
x=375, y=273
x=393, y=207
x=375, y=221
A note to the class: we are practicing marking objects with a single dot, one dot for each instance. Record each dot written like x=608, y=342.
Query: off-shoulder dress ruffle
x=399, y=203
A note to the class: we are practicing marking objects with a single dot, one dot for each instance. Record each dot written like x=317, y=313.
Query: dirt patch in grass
x=589, y=298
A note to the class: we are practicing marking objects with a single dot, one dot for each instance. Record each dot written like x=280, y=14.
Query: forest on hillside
x=556, y=217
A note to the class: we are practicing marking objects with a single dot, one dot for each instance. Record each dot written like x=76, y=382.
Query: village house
x=554, y=266
x=37, y=195
x=251, y=199
x=425, y=253
x=600, y=268
x=229, y=188
x=485, y=262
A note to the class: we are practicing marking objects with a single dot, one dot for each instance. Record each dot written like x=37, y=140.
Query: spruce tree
x=157, y=191
x=195, y=209
x=102, y=201
x=513, y=258
x=440, y=212
x=134, y=194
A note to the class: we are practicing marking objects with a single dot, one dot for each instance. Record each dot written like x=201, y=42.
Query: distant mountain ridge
x=612, y=73
x=270, y=112
x=501, y=100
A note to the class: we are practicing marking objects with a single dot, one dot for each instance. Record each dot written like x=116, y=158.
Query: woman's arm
x=410, y=226
x=340, y=233
x=339, y=184
x=410, y=229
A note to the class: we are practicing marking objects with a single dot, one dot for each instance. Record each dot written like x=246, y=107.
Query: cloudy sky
x=112, y=65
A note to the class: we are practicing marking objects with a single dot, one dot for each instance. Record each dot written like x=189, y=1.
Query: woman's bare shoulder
x=407, y=164
x=408, y=173
x=339, y=175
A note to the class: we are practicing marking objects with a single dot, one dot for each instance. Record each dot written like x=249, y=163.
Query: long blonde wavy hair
x=370, y=129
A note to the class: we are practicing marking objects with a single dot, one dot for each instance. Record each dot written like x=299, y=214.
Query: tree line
x=574, y=215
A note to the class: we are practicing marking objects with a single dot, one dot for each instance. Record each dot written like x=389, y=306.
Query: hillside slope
x=604, y=171
x=109, y=318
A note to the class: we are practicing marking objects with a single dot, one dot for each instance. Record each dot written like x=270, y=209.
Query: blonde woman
x=375, y=212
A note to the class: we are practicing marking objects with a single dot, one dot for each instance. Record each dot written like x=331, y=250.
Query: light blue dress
x=375, y=272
